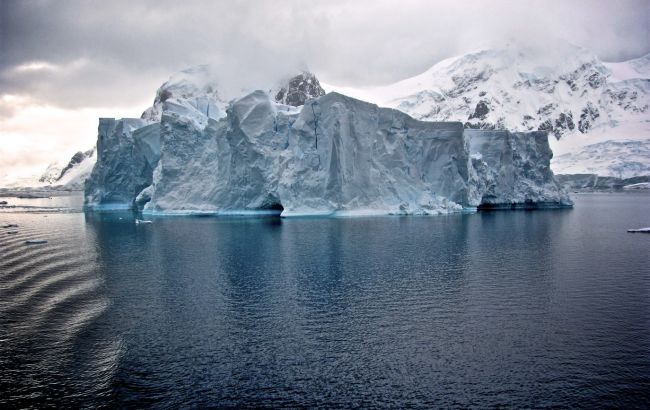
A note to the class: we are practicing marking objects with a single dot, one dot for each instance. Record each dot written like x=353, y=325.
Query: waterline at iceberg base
x=333, y=155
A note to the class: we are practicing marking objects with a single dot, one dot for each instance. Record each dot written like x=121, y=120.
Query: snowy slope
x=563, y=91
x=194, y=91
x=621, y=159
x=74, y=174
x=51, y=174
x=70, y=175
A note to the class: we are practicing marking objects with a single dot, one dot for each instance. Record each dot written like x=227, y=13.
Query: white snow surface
x=616, y=158
x=64, y=176
x=194, y=92
x=641, y=230
x=640, y=185
x=638, y=68
x=75, y=177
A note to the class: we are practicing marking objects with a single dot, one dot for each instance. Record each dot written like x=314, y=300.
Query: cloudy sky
x=64, y=63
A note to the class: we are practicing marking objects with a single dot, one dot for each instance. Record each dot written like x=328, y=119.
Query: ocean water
x=506, y=308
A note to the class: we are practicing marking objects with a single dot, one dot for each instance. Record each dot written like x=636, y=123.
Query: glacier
x=294, y=150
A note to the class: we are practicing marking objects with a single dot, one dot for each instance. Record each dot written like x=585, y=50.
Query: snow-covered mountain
x=562, y=91
x=77, y=170
x=67, y=176
x=51, y=174
x=617, y=158
x=565, y=90
x=192, y=90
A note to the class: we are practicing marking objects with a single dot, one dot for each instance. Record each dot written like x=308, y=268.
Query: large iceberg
x=294, y=151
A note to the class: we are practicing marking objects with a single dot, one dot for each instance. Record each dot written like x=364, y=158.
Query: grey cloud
x=129, y=48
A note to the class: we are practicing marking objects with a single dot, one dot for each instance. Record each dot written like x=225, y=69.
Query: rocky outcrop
x=76, y=159
x=297, y=90
x=51, y=174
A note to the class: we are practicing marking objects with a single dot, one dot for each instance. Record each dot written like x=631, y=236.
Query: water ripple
x=50, y=295
x=500, y=309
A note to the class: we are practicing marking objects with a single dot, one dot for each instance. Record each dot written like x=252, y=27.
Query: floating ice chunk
x=640, y=185
x=639, y=230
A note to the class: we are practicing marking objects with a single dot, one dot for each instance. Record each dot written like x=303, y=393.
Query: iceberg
x=294, y=150
x=639, y=230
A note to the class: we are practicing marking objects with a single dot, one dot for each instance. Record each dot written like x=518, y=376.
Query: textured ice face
x=126, y=156
x=564, y=90
x=513, y=168
x=338, y=155
x=351, y=156
x=332, y=155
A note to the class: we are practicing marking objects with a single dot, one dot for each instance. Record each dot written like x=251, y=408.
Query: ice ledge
x=525, y=206
x=302, y=213
x=108, y=207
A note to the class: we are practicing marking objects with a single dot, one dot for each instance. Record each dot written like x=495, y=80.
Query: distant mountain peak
x=298, y=89
x=564, y=89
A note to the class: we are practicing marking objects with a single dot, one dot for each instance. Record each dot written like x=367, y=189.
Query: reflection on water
x=69, y=202
x=521, y=309
x=51, y=293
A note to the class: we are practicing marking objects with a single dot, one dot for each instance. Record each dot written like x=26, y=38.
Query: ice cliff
x=127, y=152
x=294, y=150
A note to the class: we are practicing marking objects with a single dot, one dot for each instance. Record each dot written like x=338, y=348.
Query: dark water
x=514, y=309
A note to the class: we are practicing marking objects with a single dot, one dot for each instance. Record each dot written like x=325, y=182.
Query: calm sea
x=505, y=308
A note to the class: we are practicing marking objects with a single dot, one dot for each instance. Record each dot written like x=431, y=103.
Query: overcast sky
x=64, y=63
